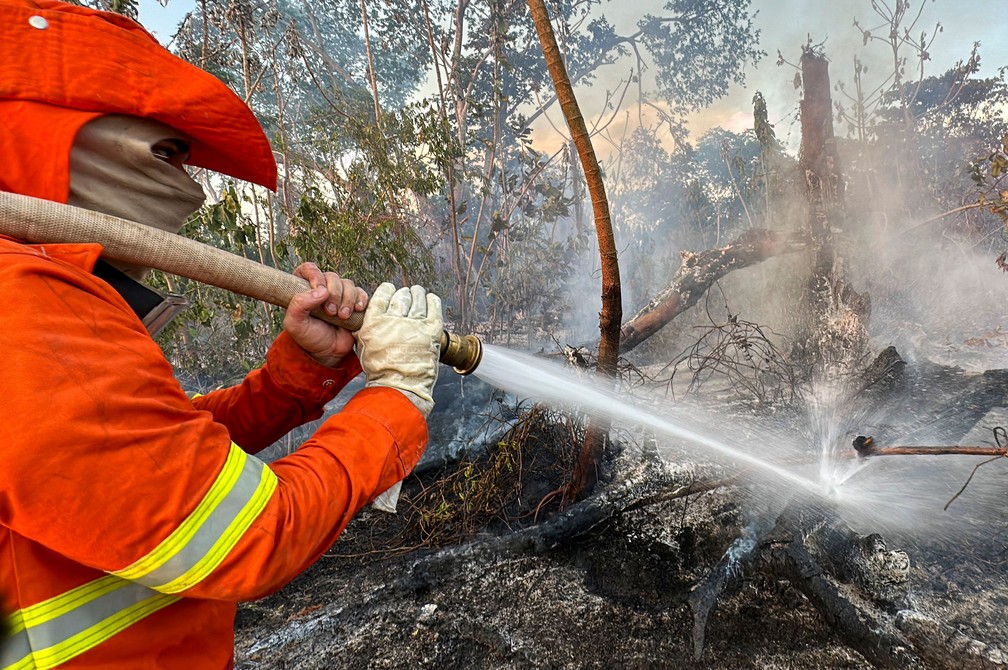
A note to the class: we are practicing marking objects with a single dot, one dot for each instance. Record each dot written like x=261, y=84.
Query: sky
x=162, y=20
x=785, y=25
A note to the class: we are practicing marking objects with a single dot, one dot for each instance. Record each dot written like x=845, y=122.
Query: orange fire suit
x=132, y=519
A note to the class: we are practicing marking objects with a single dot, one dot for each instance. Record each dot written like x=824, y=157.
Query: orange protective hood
x=62, y=65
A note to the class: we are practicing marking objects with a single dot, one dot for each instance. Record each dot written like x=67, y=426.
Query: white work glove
x=400, y=340
x=398, y=345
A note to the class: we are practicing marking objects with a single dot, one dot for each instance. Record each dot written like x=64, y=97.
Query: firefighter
x=133, y=519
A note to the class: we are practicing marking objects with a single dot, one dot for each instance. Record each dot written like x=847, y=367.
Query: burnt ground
x=607, y=583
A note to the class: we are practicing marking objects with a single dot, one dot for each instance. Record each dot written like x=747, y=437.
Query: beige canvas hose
x=46, y=222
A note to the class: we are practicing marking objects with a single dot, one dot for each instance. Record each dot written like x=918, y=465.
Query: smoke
x=936, y=300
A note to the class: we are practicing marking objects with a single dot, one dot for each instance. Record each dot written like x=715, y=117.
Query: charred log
x=883, y=373
x=880, y=574
x=573, y=522
x=724, y=579
x=851, y=580
x=856, y=621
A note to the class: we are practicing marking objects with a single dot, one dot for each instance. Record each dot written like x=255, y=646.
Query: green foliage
x=334, y=28
x=303, y=53
x=699, y=46
x=648, y=197
x=762, y=127
x=402, y=154
x=361, y=215
x=449, y=190
x=990, y=174
x=219, y=339
x=368, y=246
x=223, y=224
x=954, y=121
x=527, y=291
x=221, y=336
x=953, y=106
x=918, y=137
x=729, y=168
x=528, y=252
x=361, y=223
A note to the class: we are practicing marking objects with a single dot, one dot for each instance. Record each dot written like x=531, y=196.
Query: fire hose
x=45, y=222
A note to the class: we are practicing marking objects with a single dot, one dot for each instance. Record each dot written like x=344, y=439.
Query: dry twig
x=740, y=352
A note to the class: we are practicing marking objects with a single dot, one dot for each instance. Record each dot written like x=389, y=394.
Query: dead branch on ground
x=946, y=450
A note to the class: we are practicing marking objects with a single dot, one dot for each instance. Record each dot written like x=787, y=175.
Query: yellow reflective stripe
x=24, y=664
x=205, y=538
x=229, y=538
x=184, y=532
x=59, y=605
x=57, y=630
x=101, y=631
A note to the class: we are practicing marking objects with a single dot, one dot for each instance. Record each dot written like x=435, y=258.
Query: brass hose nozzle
x=462, y=352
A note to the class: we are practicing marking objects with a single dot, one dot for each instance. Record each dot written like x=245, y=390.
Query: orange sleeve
x=289, y=391
x=104, y=459
x=339, y=470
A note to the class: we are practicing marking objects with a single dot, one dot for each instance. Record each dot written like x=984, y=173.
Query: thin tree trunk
x=585, y=472
x=370, y=65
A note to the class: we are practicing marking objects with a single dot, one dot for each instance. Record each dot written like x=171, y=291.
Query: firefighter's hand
x=326, y=343
x=400, y=340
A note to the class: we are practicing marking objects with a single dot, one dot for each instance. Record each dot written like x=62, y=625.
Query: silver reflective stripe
x=53, y=632
x=203, y=540
x=15, y=651
x=212, y=529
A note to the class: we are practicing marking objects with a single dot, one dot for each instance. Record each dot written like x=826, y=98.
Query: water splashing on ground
x=908, y=493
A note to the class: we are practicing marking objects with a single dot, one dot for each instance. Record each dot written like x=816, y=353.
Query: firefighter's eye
x=175, y=152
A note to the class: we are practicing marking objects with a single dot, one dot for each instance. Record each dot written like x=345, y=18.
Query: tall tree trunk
x=832, y=335
x=585, y=472
x=818, y=158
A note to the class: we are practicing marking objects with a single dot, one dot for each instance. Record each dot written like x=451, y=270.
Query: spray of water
x=544, y=381
x=898, y=494
x=895, y=494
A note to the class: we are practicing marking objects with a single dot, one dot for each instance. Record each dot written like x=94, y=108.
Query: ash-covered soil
x=607, y=583
x=613, y=598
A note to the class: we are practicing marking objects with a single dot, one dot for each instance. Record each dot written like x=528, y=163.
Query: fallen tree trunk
x=698, y=271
